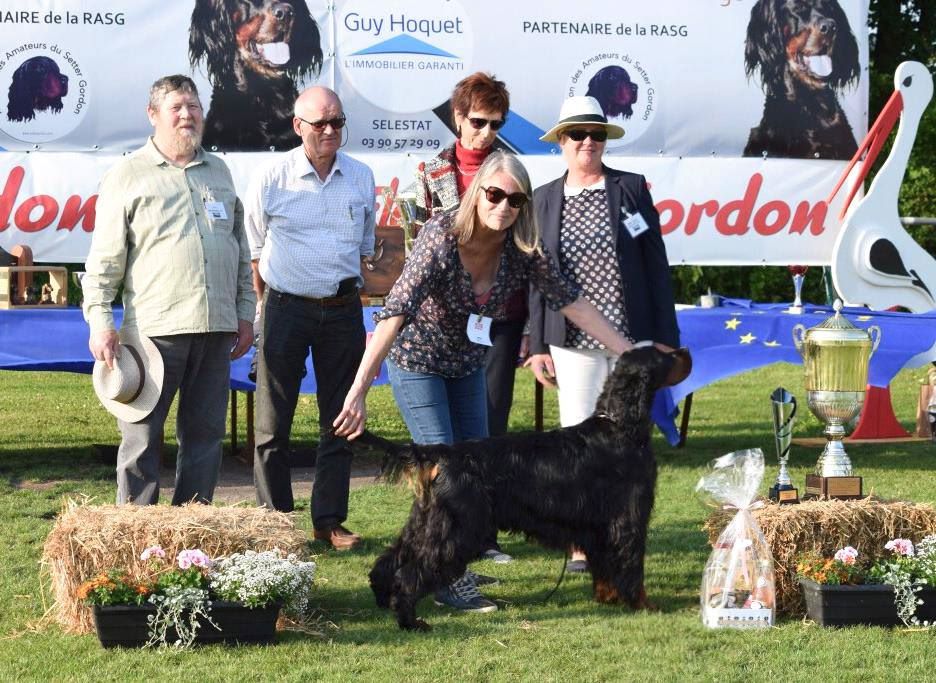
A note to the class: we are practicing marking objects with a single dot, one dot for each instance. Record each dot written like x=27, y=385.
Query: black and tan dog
x=37, y=86
x=806, y=53
x=589, y=486
x=255, y=51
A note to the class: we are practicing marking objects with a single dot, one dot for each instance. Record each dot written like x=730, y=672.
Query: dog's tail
x=417, y=464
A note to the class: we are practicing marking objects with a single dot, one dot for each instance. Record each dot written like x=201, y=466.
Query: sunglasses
x=495, y=195
x=478, y=124
x=336, y=123
x=579, y=135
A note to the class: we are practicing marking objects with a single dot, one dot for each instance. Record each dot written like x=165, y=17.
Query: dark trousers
x=499, y=369
x=335, y=334
x=500, y=366
x=198, y=368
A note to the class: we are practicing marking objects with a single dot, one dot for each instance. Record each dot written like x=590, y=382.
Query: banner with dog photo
x=768, y=78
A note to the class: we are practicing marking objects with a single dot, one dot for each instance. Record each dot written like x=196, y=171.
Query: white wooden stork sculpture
x=875, y=261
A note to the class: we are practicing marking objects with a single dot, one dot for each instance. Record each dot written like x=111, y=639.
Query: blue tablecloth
x=741, y=335
x=57, y=339
x=724, y=341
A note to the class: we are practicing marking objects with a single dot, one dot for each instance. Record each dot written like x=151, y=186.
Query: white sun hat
x=131, y=390
x=581, y=109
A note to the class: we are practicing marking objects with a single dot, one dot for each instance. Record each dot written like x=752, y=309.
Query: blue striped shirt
x=309, y=234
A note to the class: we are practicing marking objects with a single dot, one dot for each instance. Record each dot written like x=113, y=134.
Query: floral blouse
x=435, y=297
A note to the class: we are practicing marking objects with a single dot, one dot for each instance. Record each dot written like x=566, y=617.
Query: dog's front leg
x=410, y=589
x=618, y=571
x=406, y=615
x=382, y=576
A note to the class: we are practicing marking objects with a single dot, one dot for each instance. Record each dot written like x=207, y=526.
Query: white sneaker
x=496, y=556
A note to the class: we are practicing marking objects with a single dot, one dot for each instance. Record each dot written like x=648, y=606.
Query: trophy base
x=784, y=495
x=843, y=488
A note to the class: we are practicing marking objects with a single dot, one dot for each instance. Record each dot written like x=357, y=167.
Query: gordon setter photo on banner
x=804, y=54
x=255, y=53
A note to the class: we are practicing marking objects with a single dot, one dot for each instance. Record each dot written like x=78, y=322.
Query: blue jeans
x=440, y=409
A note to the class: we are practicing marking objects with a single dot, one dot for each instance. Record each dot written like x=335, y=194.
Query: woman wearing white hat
x=601, y=226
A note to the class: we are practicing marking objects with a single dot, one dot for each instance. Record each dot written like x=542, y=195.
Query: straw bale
x=824, y=527
x=89, y=539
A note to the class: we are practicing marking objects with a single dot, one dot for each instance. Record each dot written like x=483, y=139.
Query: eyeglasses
x=579, y=135
x=318, y=126
x=495, y=195
x=478, y=124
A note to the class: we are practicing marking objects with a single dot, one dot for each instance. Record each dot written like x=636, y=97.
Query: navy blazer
x=648, y=291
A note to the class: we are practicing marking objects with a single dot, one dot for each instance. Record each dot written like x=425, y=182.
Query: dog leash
x=565, y=561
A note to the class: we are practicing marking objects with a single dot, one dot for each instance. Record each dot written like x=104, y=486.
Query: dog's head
x=628, y=392
x=614, y=90
x=267, y=38
x=810, y=40
x=37, y=85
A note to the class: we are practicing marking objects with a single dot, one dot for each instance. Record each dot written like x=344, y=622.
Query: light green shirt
x=174, y=238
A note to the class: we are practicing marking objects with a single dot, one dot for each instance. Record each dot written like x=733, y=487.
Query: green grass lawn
x=50, y=421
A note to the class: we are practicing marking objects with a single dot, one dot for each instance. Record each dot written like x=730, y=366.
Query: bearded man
x=170, y=231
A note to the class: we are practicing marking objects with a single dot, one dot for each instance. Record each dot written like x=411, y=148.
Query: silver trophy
x=784, y=410
x=799, y=274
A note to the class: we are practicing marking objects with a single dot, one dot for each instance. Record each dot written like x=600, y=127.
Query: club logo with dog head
x=43, y=92
x=623, y=86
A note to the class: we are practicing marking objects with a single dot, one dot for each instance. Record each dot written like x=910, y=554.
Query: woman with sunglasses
x=602, y=228
x=479, y=106
x=436, y=321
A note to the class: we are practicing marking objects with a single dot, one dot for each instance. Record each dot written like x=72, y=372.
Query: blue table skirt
x=724, y=341
x=741, y=335
x=57, y=339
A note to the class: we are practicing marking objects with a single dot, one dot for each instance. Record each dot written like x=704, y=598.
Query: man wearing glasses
x=310, y=219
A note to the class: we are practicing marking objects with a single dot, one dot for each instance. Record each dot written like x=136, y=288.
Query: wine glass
x=799, y=274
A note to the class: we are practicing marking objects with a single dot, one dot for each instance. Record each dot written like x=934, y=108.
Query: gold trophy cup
x=835, y=358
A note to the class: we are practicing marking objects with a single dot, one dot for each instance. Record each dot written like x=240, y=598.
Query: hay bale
x=824, y=527
x=89, y=539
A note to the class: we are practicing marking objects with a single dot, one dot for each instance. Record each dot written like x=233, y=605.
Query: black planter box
x=869, y=604
x=126, y=625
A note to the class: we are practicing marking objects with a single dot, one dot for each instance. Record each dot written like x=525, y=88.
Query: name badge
x=479, y=329
x=216, y=210
x=635, y=223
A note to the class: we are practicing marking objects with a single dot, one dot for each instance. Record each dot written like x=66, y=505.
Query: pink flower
x=901, y=546
x=153, y=552
x=197, y=558
x=846, y=555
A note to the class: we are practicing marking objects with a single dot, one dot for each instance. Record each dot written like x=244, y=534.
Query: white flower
x=259, y=579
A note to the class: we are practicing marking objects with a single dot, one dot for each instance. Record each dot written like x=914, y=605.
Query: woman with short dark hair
x=479, y=104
